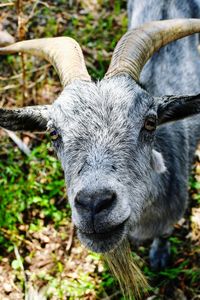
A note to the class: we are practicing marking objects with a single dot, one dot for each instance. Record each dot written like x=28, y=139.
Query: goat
x=119, y=139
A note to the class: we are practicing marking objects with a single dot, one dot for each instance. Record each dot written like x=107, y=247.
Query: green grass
x=30, y=183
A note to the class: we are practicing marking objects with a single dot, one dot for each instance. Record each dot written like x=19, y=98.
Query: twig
x=33, y=10
x=111, y=296
x=27, y=72
x=19, y=260
x=45, y=4
x=2, y=102
x=9, y=235
x=40, y=79
x=7, y=4
x=9, y=87
x=22, y=21
x=20, y=144
x=18, y=257
x=32, y=136
x=71, y=239
x=23, y=78
x=70, y=3
x=29, y=291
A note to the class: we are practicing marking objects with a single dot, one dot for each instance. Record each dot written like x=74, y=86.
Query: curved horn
x=63, y=53
x=138, y=45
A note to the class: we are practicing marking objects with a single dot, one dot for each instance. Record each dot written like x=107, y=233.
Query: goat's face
x=106, y=154
x=104, y=133
x=104, y=136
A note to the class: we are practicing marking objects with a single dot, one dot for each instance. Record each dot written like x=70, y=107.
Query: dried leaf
x=195, y=219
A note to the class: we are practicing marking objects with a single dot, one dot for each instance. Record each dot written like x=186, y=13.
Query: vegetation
x=37, y=240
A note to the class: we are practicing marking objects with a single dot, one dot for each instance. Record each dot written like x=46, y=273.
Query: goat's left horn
x=138, y=45
x=63, y=53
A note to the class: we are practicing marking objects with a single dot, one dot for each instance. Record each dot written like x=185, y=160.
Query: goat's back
x=175, y=69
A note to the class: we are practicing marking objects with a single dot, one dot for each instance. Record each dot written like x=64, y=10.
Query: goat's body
x=125, y=174
x=175, y=69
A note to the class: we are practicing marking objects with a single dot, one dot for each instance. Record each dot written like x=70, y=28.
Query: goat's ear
x=173, y=108
x=32, y=118
x=157, y=162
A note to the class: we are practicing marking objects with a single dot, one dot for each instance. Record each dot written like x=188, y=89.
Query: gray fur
x=175, y=69
x=103, y=144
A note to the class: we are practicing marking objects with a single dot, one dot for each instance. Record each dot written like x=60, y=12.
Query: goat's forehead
x=101, y=101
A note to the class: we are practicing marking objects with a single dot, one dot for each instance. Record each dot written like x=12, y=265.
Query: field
x=38, y=244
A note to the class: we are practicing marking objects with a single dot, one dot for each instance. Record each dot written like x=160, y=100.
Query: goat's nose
x=95, y=202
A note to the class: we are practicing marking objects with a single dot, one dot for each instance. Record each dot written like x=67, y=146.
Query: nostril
x=81, y=201
x=105, y=203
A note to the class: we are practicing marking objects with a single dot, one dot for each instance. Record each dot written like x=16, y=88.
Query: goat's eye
x=54, y=134
x=150, y=123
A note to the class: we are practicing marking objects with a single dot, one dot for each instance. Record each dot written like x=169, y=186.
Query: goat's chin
x=103, y=242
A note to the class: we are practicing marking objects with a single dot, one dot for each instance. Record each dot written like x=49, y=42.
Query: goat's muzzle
x=99, y=222
x=94, y=204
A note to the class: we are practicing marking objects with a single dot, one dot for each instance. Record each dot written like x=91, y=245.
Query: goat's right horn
x=63, y=53
x=138, y=45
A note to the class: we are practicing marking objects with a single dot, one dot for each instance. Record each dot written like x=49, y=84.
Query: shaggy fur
x=131, y=280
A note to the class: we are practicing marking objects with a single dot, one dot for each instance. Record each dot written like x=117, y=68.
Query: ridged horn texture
x=138, y=45
x=63, y=53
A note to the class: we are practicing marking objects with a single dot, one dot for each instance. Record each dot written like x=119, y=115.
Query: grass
x=33, y=183
x=34, y=213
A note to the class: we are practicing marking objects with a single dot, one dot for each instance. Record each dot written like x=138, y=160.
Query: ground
x=38, y=244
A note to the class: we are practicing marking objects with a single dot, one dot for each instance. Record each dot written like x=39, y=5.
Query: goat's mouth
x=103, y=242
